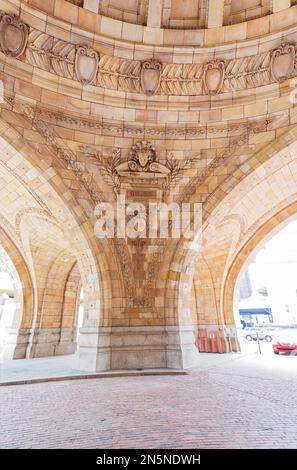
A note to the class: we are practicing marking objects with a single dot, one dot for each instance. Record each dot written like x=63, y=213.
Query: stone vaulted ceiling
x=85, y=88
x=203, y=87
x=182, y=13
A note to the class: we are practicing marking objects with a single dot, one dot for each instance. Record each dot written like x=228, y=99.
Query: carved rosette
x=86, y=65
x=13, y=36
x=213, y=77
x=282, y=62
x=150, y=77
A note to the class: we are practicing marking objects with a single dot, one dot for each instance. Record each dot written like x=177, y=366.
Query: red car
x=286, y=343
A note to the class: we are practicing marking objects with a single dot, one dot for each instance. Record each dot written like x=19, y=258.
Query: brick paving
x=249, y=402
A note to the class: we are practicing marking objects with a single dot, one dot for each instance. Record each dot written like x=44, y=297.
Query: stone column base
x=16, y=343
x=49, y=342
x=94, y=353
x=182, y=352
x=126, y=348
x=67, y=343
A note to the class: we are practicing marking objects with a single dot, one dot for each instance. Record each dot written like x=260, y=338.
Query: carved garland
x=85, y=65
x=63, y=58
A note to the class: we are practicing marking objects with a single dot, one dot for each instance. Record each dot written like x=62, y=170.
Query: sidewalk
x=58, y=368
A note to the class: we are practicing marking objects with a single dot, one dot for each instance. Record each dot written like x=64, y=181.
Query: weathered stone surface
x=95, y=107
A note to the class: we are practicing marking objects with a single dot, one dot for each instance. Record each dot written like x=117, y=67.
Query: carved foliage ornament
x=142, y=167
x=282, y=62
x=86, y=65
x=213, y=77
x=13, y=35
x=82, y=63
x=150, y=76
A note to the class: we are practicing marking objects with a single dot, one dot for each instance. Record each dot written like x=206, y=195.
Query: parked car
x=263, y=334
x=286, y=343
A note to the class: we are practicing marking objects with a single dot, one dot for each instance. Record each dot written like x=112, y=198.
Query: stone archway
x=17, y=337
x=202, y=105
x=46, y=200
x=274, y=225
x=200, y=283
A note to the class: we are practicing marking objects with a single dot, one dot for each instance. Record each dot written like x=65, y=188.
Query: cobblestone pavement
x=239, y=402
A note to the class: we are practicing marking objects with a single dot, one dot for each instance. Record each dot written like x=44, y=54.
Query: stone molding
x=84, y=64
x=130, y=130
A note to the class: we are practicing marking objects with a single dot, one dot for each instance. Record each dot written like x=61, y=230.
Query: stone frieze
x=88, y=66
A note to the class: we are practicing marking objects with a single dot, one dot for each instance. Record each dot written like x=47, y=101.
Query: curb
x=104, y=375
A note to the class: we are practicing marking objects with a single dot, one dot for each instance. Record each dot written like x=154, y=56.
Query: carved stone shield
x=282, y=62
x=86, y=65
x=13, y=36
x=213, y=77
x=150, y=76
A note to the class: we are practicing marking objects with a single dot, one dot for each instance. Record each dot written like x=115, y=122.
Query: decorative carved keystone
x=150, y=76
x=213, y=77
x=282, y=62
x=143, y=154
x=13, y=35
x=86, y=65
x=143, y=160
